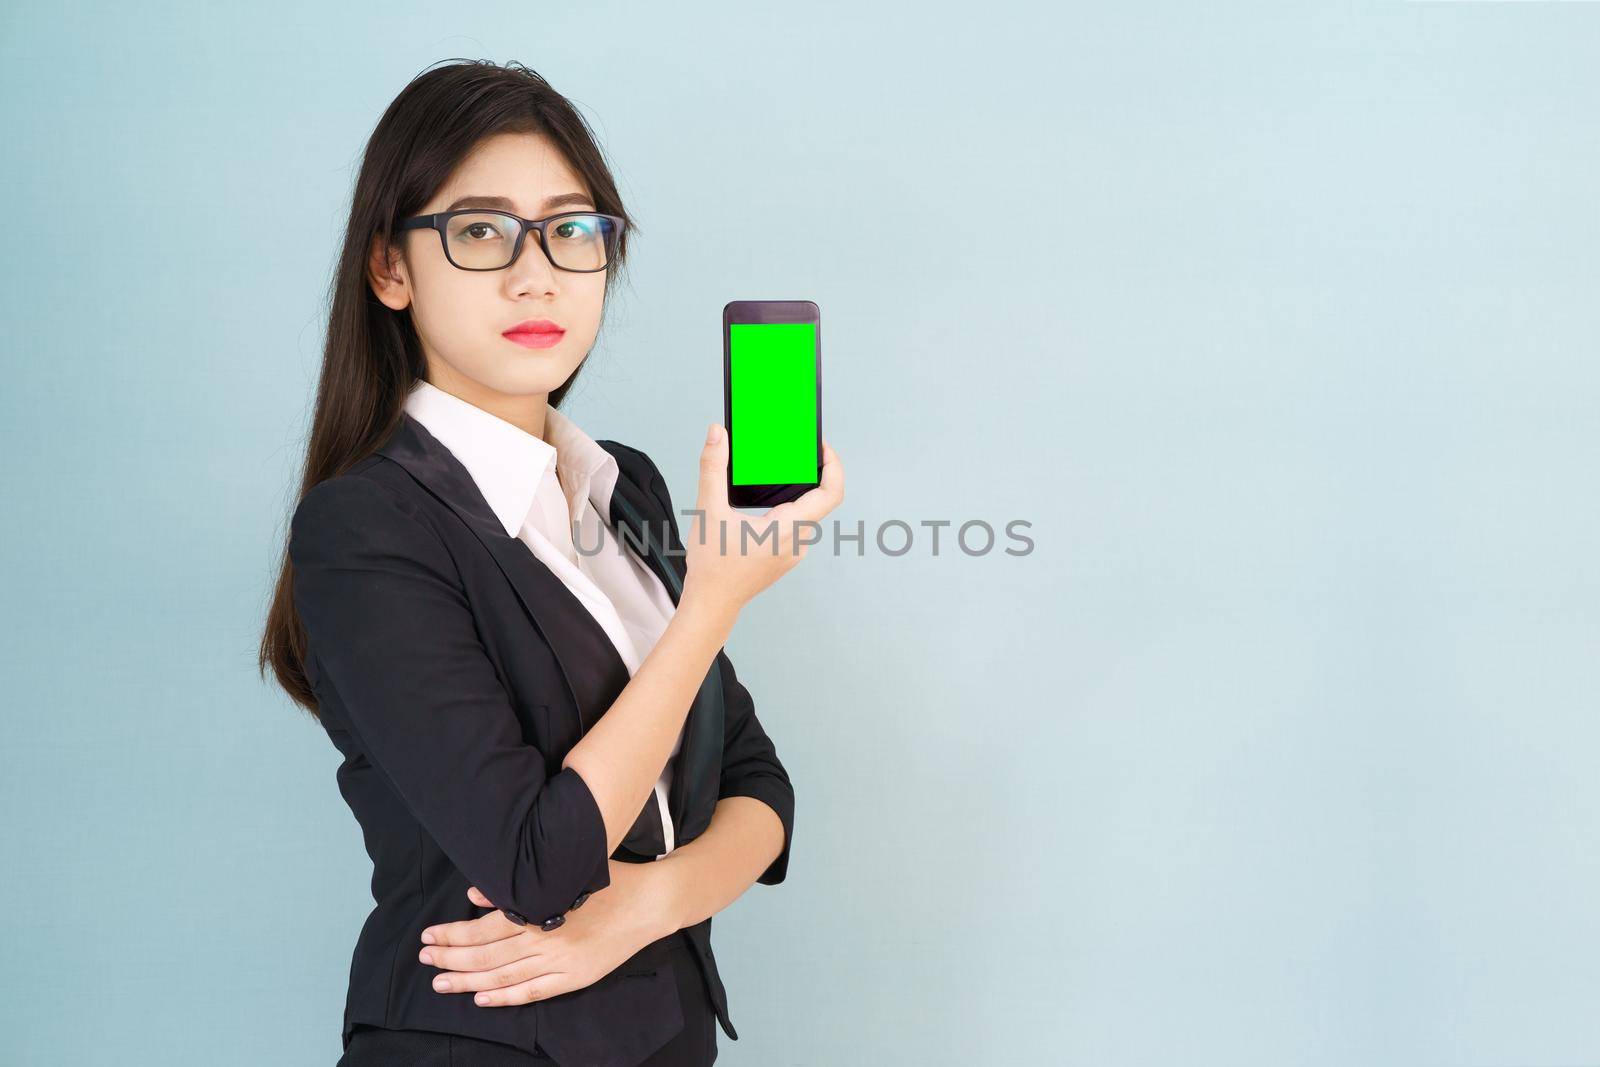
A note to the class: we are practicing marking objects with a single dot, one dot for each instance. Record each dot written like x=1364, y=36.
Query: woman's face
x=461, y=315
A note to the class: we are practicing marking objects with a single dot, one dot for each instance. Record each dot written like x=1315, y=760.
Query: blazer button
x=552, y=922
x=514, y=916
x=581, y=898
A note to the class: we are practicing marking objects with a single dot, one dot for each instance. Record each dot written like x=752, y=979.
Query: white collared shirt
x=535, y=487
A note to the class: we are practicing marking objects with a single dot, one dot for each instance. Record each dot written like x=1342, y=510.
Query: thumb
x=714, y=470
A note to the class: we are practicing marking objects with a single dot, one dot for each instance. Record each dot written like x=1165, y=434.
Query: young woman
x=558, y=775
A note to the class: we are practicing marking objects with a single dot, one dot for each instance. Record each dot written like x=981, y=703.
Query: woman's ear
x=386, y=273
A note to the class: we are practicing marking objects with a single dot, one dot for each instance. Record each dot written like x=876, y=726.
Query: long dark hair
x=372, y=357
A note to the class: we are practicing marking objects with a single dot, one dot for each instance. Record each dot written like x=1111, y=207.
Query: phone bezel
x=741, y=312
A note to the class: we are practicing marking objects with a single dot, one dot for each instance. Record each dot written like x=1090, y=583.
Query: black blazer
x=454, y=671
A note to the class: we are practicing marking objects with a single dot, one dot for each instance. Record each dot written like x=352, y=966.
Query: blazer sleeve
x=750, y=764
x=396, y=646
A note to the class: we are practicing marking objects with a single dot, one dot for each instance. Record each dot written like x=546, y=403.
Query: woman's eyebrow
x=505, y=203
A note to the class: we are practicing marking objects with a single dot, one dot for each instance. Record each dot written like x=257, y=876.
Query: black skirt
x=693, y=1046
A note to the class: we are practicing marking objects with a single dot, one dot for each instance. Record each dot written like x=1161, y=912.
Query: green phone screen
x=772, y=387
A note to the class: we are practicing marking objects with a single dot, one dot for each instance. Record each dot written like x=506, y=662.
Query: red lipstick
x=535, y=333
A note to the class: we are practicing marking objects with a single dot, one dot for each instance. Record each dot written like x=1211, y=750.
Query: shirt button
x=552, y=922
x=516, y=917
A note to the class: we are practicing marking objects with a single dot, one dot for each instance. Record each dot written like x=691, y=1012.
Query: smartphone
x=772, y=399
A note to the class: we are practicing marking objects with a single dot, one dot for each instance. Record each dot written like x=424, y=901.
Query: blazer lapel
x=692, y=799
x=590, y=664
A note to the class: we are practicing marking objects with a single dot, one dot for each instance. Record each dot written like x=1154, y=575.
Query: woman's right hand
x=726, y=562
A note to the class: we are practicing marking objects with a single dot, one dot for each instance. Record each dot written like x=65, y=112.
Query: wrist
x=715, y=609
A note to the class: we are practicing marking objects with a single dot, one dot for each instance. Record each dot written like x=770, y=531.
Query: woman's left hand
x=506, y=964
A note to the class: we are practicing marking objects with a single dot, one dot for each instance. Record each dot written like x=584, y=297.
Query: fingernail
x=711, y=433
x=481, y=998
x=427, y=937
x=426, y=956
x=442, y=984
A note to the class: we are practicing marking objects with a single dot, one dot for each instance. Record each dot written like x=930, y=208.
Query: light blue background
x=1278, y=324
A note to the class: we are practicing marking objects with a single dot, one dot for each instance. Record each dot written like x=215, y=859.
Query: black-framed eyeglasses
x=477, y=239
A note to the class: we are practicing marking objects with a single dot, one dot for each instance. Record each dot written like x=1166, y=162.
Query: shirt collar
x=507, y=462
x=587, y=468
